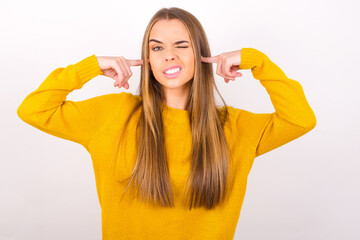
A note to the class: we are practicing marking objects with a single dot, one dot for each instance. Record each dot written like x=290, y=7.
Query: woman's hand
x=227, y=64
x=118, y=68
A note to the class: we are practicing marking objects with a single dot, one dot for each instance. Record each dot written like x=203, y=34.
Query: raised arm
x=46, y=108
x=293, y=117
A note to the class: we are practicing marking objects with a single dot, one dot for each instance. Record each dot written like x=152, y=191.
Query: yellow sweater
x=95, y=124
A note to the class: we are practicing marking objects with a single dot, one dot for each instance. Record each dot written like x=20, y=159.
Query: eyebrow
x=178, y=42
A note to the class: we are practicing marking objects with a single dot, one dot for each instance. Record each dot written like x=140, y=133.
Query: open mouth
x=173, y=72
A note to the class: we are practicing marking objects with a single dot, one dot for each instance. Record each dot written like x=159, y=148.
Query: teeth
x=171, y=71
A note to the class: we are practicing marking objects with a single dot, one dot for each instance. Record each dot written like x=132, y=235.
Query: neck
x=177, y=97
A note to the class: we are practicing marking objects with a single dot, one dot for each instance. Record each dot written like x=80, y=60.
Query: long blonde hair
x=209, y=173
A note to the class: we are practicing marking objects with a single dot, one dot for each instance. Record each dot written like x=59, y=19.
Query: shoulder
x=127, y=101
x=112, y=102
x=123, y=97
x=127, y=96
x=247, y=122
x=245, y=116
x=236, y=113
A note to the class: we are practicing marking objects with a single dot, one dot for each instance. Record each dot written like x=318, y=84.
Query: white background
x=306, y=189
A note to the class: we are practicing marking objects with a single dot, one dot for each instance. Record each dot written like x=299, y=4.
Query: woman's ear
x=148, y=60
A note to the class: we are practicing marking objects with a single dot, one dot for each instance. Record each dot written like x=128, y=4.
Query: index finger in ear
x=135, y=62
x=209, y=59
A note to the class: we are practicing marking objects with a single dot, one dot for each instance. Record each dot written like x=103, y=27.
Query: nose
x=169, y=54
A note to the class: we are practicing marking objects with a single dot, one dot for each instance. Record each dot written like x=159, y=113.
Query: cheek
x=152, y=63
x=156, y=68
x=191, y=63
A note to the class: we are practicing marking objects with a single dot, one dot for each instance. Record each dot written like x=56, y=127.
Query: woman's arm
x=47, y=109
x=293, y=117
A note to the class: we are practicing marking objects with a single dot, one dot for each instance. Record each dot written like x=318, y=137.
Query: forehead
x=169, y=31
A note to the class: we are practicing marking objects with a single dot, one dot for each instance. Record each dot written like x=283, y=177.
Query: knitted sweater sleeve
x=293, y=117
x=47, y=109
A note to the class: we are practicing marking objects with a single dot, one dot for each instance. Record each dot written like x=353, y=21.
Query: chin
x=172, y=83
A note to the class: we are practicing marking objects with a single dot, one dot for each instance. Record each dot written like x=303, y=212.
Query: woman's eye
x=154, y=48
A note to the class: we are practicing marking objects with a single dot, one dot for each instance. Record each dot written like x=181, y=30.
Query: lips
x=173, y=75
x=174, y=66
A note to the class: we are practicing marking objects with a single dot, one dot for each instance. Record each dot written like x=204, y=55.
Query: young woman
x=171, y=144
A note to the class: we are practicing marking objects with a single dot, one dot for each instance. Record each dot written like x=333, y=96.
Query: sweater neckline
x=173, y=114
x=179, y=115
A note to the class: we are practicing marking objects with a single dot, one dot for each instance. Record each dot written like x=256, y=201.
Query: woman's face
x=170, y=47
